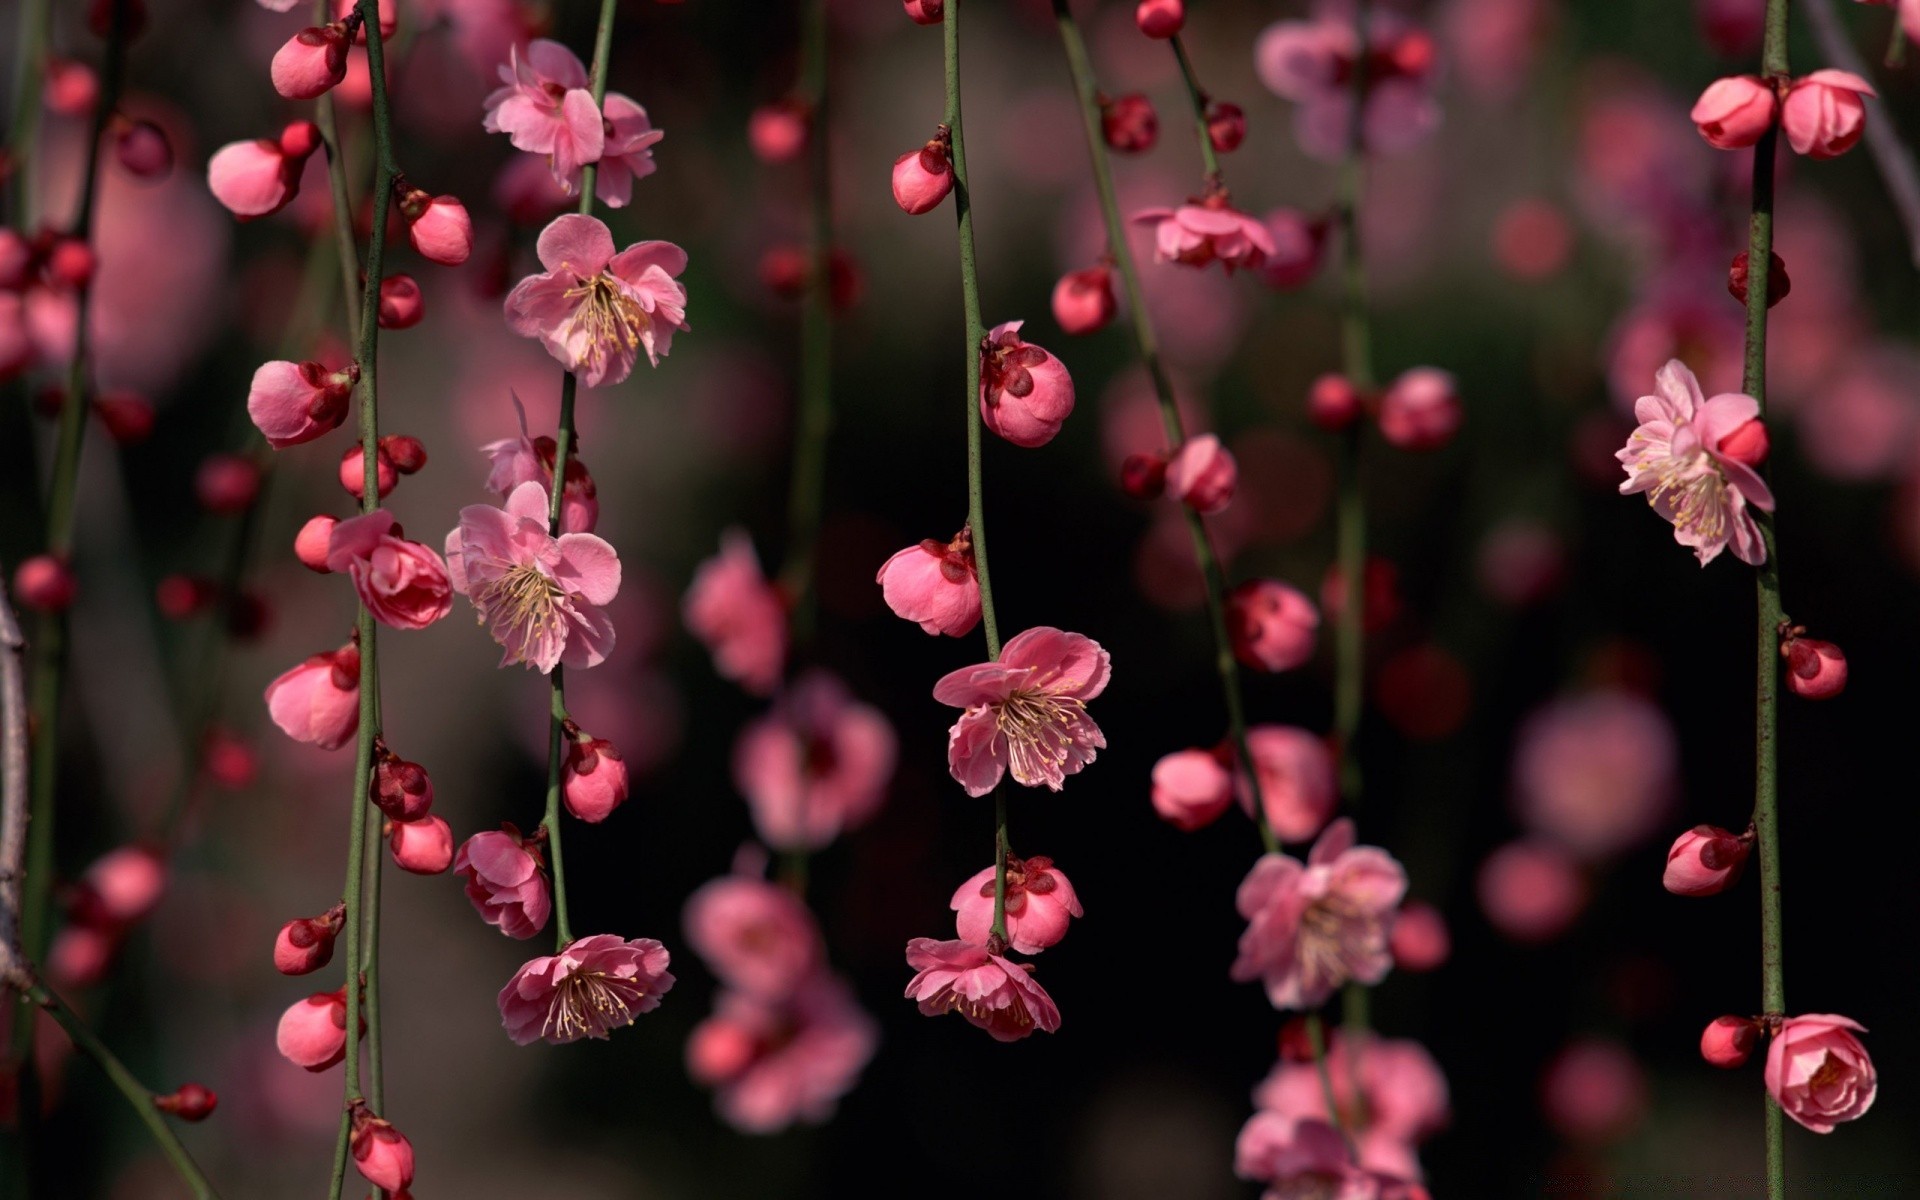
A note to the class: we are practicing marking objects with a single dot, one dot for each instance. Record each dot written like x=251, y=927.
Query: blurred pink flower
x=1597, y=772
x=1313, y=926
x=1295, y=770
x=1595, y=1091
x=506, y=881
x=757, y=937
x=402, y=583
x=1676, y=321
x=1026, y=712
x=775, y=1064
x=319, y=700
x=816, y=765
x=1819, y=1072
x=1312, y=63
x=120, y=888
x=1302, y=1158
x=540, y=596
x=592, y=986
x=740, y=617
x=546, y=108
x=1205, y=232
x=1676, y=456
x=1191, y=788
x=1492, y=44
x=1401, y=1100
x=991, y=992
x=1040, y=903
x=594, y=309
x=514, y=461
x=1531, y=890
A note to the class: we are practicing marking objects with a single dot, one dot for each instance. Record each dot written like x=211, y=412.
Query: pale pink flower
x=319, y=700
x=594, y=309
x=1295, y=770
x=1205, y=232
x=1819, y=1072
x=816, y=765
x=991, y=992
x=1312, y=63
x=759, y=938
x=1594, y=1091
x=541, y=597
x=506, y=881
x=628, y=155
x=1026, y=393
x=934, y=584
x=1597, y=772
x=1026, y=712
x=1675, y=456
x=1316, y=925
x=1191, y=788
x=774, y=1064
x=1401, y=1099
x=546, y=108
x=402, y=583
x=1825, y=113
x=1420, y=410
x=1040, y=903
x=1531, y=890
x=740, y=616
x=592, y=986
x=1303, y=1158
x=291, y=402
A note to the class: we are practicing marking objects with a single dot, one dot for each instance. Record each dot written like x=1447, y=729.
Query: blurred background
x=1557, y=690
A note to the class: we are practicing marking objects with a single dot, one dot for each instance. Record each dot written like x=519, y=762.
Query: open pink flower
x=1401, y=1099
x=1040, y=902
x=759, y=938
x=319, y=700
x=1026, y=712
x=506, y=881
x=816, y=765
x=740, y=617
x=1825, y=113
x=628, y=155
x=291, y=402
x=541, y=597
x=1819, y=1073
x=935, y=584
x=1312, y=64
x=1304, y=1158
x=1676, y=456
x=402, y=583
x=595, y=309
x=1313, y=926
x=773, y=1064
x=991, y=992
x=591, y=987
x=1205, y=232
x=545, y=108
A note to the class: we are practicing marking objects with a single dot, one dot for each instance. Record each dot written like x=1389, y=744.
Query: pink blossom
x=1595, y=1091
x=1597, y=772
x=292, y=402
x=596, y=778
x=628, y=156
x=381, y=1153
x=773, y=1064
x=402, y=583
x=1083, y=301
x=1816, y=670
x=1729, y=1041
x=506, y=881
x=319, y=700
x=438, y=226
x=257, y=178
x=1025, y=392
x=120, y=888
x=1160, y=18
x=1705, y=861
x=934, y=584
x=991, y=992
x=1202, y=474
x=1825, y=112
x=546, y=108
x=816, y=765
x=1314, y=926
x=922, y=178
x=1295, y=770
x=1312, y=63
x=514, y=461
x=591, y=987
x=594, y=309
x=1272, y=625
x=1039, y=903
x=1299, y=244
x=541, y=597
x=1027, y=711
x=422, y=847
x=1420, y=410
x=311, y=62
x=759, y=938
x=1531, y=890
x=1191, y=788
x=1401, y=1099
x=1819, y=1072
x=740, y=617
x=313, y=1031
x=1735, y=112
x=305, y=944
x=1675, y=456
x=1303, y=1158
x=45, y=584
x=1420, y=940
x=1207, y=231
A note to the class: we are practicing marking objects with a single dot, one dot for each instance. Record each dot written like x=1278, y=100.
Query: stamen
x=1039, y=728
x=609, y=317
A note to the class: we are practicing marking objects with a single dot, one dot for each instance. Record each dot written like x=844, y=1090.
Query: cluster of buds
x=1817, y=1070
x=1201, y=474
x=1420, y=410
x=1822, y=114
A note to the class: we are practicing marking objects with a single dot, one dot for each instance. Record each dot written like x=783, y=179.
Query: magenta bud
x=595, y=782
x=1421, y=410
x=44, y=584
x=311, y=62
x=424, y=847
x=777, y=132
x=180, y=597
x=926, y=12
x=299, y=140
x=1143, y=476
x=353, y=473
x=1083, y=301
x=1129, y=123
x=1202, y=474
x=1778, y=282
x=305, y=944
x=1729, y=1041
x=407, y=454
x=71, y=262
x=1816, y=670
x=1160, y=18
x=310, y=544
x=1333, y=403
x=1226, y=126
x=381, y=1154
x=1705, y=861
x=402, y=789
x=227, y=484
x=143, y=150
x=127, y=415
x=190, y=1102
x=922, y=178
x=401, y=304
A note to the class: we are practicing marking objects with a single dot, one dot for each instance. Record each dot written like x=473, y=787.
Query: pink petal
x=576, y=243
x=588, y=566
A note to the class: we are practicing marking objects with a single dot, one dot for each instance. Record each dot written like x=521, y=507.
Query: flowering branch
x=1890, y=153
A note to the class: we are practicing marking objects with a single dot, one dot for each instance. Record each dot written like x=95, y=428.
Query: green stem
x=370, y=958
x=1317, y=1039
x=556, y=757
x=30, y=67
x=323, y=117
x=1197, y=97
x=1087, y=86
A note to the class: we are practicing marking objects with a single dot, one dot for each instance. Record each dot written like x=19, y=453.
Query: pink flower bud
x=1729, y=1041
x=922, y=178
x=189, y=1102
x=229, y=760
x=180, y=597
x=1160, y=18
x=424, y=847
x=313, y=1031
x=595, y=780
x=299, y=140
x=254, y=179
x=1143, y=476
x=401, y=305
x=506, y=881
x=227, y=484
x=1735, y=112
x=142, y=150
x=1333, y=403
x=1191, y=789
x=926, y=12
x=407, y=454
x=311, y=62
x=1025, y=393
x=1421, y=410
x=81, y=956
x=382, y=1155
x=1825, y=112
x=1380, y=593
x=1272, y=625
x=353, y=472
x=305, y=944
x=291, y=403
x=310, y=544
x=1420, y=941
x=319, y=700
x=934, y=585
x=44, y=584
x=1816, y=670
x=1299, y=244
x=1818, y=1072
x=719, y=1049
x=1083, y=301
x=128, y=416
x=438, y=226
x=403, y=790
x=17, y=257
x=1202, y=474
x=1778, y=283
x=1226, y=126
x=1129, y=123
x=1747, y=443
x=121, y=888
x=1705, y=861
x=777, y=132
x=71, y=263
x=70, y=88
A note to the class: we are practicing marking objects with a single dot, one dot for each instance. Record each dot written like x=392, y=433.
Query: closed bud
x=1333, y=403
x=1421, y=410
x=180, y=597
x=229, y=759
x=305, y=944
x=70, y=87
x=1735, y=112
x=1226, y=126
x=777, y=132
x=313, y=1032
x=1747, y=443
x=401, y=304
x=1160, y=18
x=1272, y=626
x=1143, y=476
x=424, y=847
x=407, y=454
x=922, y=178
x=353, y=473
x=1825, y=113
x=142, y=150
x=926, y=12
x=1705, y=861
x=310, y=544
x=311, y=62
x=189, y=1102
x=595, y=782
x=1816, y=670
x=127, y=416
x=1729, y=1041
x=1191, y=789
x=1083, y=301
x=1420, y=941
x=401, y=789
x=381, y=1154
x=44, y=584
x=71, y=262
x=1129, y=123
x=227, y=484
x=1778, y=282
x=1203, y=475
x=438, y=226
x=299, y=140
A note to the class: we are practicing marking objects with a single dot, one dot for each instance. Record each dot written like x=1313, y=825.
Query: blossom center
x=1039, y=729
x=609, y=317
x=1693, y=487
x=525, y=599
x=1334, y=935
x=1829, y=1074
x=587, y=1003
